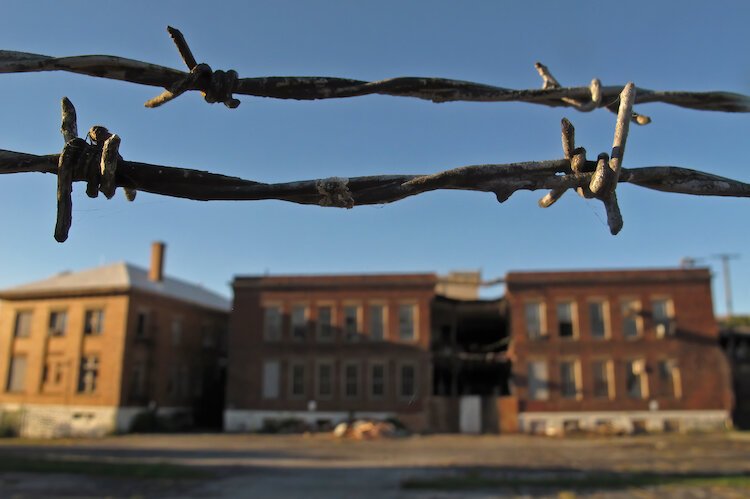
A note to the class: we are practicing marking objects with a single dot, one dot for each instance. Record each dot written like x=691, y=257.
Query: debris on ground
x=367, y=430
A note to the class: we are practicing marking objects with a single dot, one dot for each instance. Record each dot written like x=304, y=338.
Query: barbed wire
x=219, y=86
x=99, y=164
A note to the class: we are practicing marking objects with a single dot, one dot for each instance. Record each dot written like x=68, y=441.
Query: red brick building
x=83, y=353
x=323, y=348
x=630, y=350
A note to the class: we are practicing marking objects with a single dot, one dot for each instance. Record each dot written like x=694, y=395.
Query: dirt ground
x=321, y=466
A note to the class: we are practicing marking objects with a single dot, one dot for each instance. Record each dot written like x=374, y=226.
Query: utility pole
x=725, y=257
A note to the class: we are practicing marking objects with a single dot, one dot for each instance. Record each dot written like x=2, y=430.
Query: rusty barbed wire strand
x=103, y=169
x=219, y=86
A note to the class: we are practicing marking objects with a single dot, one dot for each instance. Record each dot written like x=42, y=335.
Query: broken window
x=299, y=322
x=325, y=323
x=669, y=379
x=600, y=372
x=537, y=380
x=58, y=319
x=88, y=374
x=93, y=322
x=569, y=379
x=351, y=322
x=661, y=309
x=565, y=324
x=377, y=322
x=631, y=323
x=22, y=328
x=297, y=380
x=351, y=380
x=636, y=381
x=271, y=379
x=534, y=315
x=377, y=380
x=272, y=323
x=408, y=383
x=406, y=322
x=597, y=319
x=17, y=374
x=325, y=380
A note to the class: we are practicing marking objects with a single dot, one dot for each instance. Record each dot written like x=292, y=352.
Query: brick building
x=322, y=348
x=630, y=350
x=85, y=352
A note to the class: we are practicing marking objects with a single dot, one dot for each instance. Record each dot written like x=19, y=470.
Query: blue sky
x=659, y=45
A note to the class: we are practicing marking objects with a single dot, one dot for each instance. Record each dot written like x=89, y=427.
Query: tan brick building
x=630, y=350
x=322, y=348
x=84, y=352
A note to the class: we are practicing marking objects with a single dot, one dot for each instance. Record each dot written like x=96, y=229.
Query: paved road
x=320, y=466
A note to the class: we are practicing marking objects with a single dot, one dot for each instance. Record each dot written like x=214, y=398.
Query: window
x=299, y=322
x=569, y=379
x=597, y=319
x=176, y=331
x=57, y=322
x=17, y=374
x=88, y=374
x=408, y=385
x=325, y=380
x=600, y=373
x=351, y=322
x=669, y=379
x=377, y=380
x=537, y=380
x=635, y=379
x=565, y=320
x=93, y=322
x=325, y=323
x=297, y=380
x=272, y=323
x=52, y=373
x=351, y=380
x=631, y=322
x=22, y=328
x=664, y=324
x=271, y=379
x=140, y=324
x=377, y=322
x=406, y=322
x=534, y=315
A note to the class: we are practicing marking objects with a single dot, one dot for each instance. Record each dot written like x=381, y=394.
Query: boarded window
x=17, y=374
x=565, y=316
x=271, y=379
x=351, y=380
x=325, y=323
x=272, y=323
x=600, y=370
x=408, y=383
x=533, y=314
x=406, y=322
x=299, y=322
x=377, y=322
x=597, y=319
x=537, y=380
x=23, y=324
x=93, y=322
x=569, y=381
x=377, y=380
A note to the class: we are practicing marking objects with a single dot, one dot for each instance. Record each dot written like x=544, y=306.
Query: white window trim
x=638, y=317
x=577, y=377
x=573, y=317
x=415, y=321
x=386, y=315
x=606, y=315
x=538, y=360
x=670, y=315
x=543, y=330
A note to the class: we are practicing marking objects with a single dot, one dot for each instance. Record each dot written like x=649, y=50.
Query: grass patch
x=100, y=468
x=473, y=480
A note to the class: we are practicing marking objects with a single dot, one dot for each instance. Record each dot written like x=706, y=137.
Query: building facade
x=322, y=349
x=84, y=353
x=616, y=351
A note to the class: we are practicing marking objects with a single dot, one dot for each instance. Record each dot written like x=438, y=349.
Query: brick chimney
x=156, y=271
